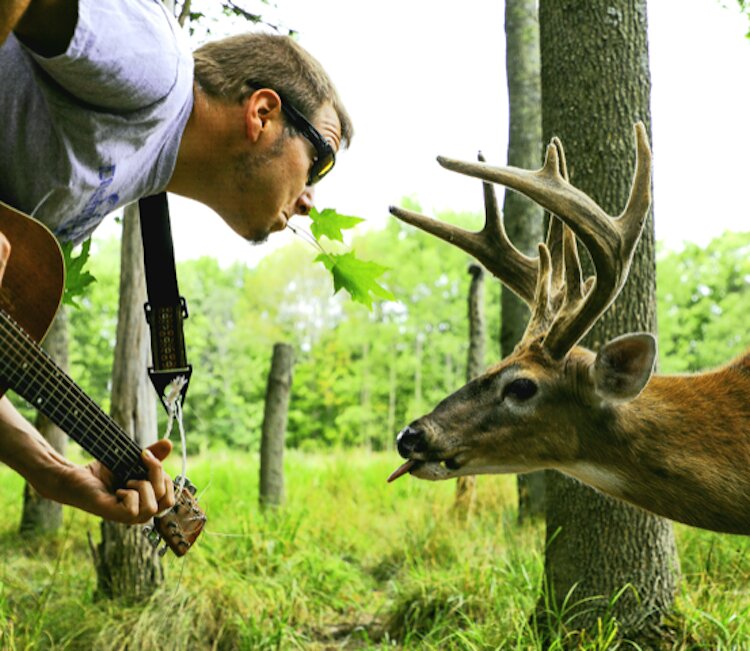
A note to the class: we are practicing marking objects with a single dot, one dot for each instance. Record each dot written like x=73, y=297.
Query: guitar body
x=31, y=287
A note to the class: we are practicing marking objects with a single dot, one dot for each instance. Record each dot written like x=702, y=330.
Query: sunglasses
x=325, y=157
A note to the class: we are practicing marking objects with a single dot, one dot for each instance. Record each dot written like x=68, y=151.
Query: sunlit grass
x=349, y=562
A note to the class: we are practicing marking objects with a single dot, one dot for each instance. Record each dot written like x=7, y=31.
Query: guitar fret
x=32, y=373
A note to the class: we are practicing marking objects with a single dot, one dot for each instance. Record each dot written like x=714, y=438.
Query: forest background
x=350, y=556
x=361, y=375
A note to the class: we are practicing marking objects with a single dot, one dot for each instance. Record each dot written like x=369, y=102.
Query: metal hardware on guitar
x=181, y=525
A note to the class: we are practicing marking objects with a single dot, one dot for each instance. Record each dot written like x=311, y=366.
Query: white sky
x=422, y=78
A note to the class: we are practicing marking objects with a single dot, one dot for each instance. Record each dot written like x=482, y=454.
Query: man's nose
x=305, y=201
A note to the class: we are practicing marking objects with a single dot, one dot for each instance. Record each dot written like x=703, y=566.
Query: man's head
x=286, y=122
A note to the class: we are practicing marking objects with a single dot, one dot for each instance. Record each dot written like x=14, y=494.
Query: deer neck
x=681, y=449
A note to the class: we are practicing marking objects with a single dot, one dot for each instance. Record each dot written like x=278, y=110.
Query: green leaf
x=358, y=277
x=76, y=277
x=329, y=223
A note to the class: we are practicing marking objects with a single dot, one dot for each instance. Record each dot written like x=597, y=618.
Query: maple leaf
x=76, y=277
x=358, y=277
x=329, y=223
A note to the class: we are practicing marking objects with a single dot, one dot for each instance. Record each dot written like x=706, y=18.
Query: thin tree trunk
x=522, y=217
x=274, y=426
x=466, y=486
x=391, y=399
x=365, y=398
x=418, y=352
x=41, y=515
x=126, y=564
x=596, y=84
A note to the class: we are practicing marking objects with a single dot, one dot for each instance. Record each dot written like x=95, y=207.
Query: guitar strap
x=165, y=309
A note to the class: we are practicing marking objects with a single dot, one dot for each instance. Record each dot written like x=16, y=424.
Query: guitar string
x=36, y=370
x=34, y=363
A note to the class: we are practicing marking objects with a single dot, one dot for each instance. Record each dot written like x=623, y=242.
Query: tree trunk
x=418, y=352
x=595, y=85
x=365, y=399
x=274, y=426
x=42, y=515
x=392, y=388
x=466, y=486
x=522, y=217
x=126, y=565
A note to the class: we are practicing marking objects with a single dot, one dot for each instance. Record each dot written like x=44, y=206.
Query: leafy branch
x=358, y=277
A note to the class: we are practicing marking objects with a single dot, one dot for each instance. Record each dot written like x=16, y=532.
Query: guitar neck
x=31, y=373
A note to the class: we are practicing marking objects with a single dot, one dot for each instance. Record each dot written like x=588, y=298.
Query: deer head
x=542, y=405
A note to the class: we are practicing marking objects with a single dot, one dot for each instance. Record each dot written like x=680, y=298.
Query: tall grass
x=349, y=562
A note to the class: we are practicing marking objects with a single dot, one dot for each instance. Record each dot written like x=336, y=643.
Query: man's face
x=270, y=182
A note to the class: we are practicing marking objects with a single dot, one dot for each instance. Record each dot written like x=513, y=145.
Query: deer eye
x=520, y=389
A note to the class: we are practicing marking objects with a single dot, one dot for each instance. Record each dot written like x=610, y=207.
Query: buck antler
x=564, y=307
x=678, y=446
x=491, y=246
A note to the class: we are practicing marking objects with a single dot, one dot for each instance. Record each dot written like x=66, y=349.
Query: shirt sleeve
x=123, y=56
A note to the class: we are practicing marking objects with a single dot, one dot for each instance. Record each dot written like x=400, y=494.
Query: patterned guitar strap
x=165, y=309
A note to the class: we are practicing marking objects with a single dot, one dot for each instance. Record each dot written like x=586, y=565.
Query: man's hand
x=91, y=488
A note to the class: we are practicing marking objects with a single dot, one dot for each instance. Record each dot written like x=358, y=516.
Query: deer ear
x=624, y=366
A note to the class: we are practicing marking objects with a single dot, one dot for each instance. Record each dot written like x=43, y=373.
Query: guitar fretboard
x=27, y=369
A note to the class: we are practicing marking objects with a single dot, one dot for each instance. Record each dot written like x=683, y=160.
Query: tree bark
x=595, y=85
x=418, y=353
x=365, y=399
x=274, y=426
x=522, y=217
x=41, y=515
x=466, y=486
x=126, y=565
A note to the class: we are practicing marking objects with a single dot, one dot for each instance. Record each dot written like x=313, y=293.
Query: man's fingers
x=161, y=448
x=167, y=500
x=4, y=255
x=147, y=503
x=160, y=482
x=126, y=508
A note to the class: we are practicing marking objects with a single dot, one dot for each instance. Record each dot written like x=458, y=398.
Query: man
x=101, y=104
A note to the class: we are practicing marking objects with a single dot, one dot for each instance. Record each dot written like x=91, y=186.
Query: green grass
x=350, y=562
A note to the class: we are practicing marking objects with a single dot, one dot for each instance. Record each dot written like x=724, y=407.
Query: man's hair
x=223, y=68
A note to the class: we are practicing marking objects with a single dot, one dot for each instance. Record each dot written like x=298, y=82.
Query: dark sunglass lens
x=321, y=167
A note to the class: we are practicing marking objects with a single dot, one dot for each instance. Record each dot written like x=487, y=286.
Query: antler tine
x=611, y=258
x=569, y=272
x=494, y=230
x=610, y=241
x=491, y=246
x=493, y=223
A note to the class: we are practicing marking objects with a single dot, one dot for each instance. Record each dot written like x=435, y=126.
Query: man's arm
x=46, y=26
x=89, y=487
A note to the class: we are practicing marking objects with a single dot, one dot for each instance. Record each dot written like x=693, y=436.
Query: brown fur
x=681, y=449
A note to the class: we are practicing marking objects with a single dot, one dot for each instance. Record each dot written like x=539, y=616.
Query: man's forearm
x=24, y=449
x=10, y=13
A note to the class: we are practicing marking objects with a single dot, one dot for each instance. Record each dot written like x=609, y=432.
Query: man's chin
x=262, y=238
x=258, y=237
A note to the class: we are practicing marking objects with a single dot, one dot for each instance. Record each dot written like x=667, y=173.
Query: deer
x=677, y=446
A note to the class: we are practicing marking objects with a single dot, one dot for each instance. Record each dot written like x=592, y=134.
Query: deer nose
x=410, y=440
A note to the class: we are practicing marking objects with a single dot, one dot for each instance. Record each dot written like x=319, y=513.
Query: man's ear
x=624, y=366
x=262, y=110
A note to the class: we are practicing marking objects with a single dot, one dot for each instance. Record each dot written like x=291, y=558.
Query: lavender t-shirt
x=99, y=126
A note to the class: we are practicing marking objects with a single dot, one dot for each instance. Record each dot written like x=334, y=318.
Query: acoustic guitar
x=30, y=295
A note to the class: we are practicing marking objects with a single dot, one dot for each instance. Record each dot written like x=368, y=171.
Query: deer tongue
x=402, y=469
